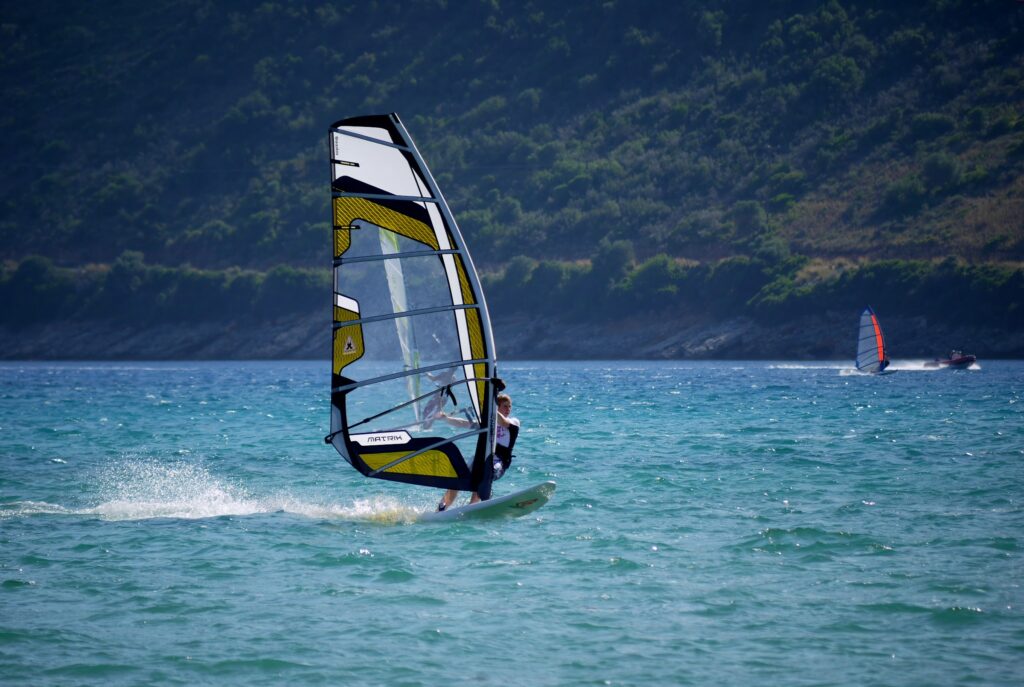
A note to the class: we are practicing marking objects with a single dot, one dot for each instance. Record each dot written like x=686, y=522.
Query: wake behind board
x=509, y=506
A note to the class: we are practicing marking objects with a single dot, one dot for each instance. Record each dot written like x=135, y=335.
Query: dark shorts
x=486, y=477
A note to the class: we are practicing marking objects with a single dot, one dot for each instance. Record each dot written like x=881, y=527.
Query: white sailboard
x=512, y=505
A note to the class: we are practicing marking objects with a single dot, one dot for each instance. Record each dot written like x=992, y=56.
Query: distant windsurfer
x=506, y=432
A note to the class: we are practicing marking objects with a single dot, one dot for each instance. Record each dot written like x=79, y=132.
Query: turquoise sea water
x=720, y=523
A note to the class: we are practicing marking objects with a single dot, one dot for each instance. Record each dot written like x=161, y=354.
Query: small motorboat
x=956, y=360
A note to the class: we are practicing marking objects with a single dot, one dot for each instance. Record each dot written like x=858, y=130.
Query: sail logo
x=378, y=438
x=350, y=346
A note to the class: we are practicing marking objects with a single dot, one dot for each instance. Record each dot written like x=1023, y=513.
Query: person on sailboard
x=884, y=364
x=507, y=431
x=506, y=434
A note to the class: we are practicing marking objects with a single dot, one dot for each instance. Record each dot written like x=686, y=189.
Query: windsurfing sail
x=411, y=336
x=871, y=354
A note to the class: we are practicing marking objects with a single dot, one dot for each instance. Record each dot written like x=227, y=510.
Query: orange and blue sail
x=871, y=354
x=411, y=335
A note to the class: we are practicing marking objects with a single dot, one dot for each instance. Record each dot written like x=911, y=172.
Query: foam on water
x=808, y=366
x=380, y=509
x=139, y=489
x=900, y=366
x=21, y=508
x=146, y=488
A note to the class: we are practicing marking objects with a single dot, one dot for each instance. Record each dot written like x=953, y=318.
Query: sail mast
x=471, y=273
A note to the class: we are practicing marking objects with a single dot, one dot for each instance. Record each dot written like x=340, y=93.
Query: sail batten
x=411, y=333
x=395, y=256
x=406, y=373
x=384, y=196
x=405, y=313
x=354, y=134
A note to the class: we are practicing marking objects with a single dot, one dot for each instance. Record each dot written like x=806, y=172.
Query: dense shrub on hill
x=602, y=159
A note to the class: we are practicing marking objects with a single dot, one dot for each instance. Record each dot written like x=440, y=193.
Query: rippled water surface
x=738, y=523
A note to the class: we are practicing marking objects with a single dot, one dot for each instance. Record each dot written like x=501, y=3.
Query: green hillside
x=167, y=160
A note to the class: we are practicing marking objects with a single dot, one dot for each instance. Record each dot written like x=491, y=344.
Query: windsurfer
x=884, y=364
x=507, y=431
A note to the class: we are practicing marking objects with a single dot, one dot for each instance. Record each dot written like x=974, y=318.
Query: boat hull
x=961, y=362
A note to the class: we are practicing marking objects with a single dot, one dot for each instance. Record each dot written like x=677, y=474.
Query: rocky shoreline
x=305, y=337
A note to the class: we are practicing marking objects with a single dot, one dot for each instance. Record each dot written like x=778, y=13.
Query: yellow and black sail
x=411, y=336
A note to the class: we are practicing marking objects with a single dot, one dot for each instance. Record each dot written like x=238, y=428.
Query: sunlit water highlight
x=715, y=523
